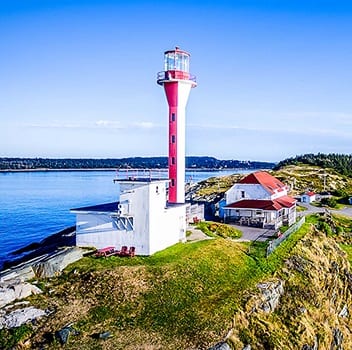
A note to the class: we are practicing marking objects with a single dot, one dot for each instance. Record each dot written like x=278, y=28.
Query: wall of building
x=307, y=199
x=167, y=228
x=254, y=191
x=167, y=224
x=155, y=227
x=100, y=231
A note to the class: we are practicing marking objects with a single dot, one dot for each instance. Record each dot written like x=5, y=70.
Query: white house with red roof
x=308, y=197
x=261, y=200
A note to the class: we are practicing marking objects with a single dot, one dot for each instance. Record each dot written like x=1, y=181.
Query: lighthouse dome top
x=176, y=59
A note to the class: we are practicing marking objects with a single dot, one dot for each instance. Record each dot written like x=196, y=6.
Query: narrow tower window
x=172, y=182
x=173, y=160
x=173, y=117
x=173, y=138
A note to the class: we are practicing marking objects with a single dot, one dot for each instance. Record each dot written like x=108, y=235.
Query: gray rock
x=15, y=289
x=105, y=335
x=271, y=292
x=344, y=312
x=313, y=347
x=63, y=334
x=55, y=263
x=19, y=317
x=337, y=340
x=22, y=272
x=220, y=346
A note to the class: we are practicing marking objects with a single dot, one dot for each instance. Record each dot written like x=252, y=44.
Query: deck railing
x=177, y=75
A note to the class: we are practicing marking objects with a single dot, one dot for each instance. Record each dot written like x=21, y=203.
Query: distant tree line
x=123, y=163
x=342, y=163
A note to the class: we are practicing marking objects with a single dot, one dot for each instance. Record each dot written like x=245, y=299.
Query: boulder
x=15, y=289
x=19, y=317
x=271, y=293
x=220, y=346
x=55, y=263
x=21, y=272
x=315, y=346
x=63, y=334
x=337, y=340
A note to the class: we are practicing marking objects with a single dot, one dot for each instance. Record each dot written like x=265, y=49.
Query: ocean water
x=34, y=205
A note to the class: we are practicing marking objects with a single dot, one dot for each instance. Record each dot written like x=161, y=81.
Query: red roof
x=310, y=194
x=269, y=182
x=286, y=201
x=255, y=204
x=263, y=204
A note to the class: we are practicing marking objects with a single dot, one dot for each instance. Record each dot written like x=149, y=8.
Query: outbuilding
x=142, y=218
x=308, y=197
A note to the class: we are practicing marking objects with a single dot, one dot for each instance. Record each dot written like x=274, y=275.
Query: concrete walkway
x=253, y=233
x=196, y=235
x=311, y=209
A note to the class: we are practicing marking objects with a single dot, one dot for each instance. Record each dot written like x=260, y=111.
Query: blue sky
x=78, y=78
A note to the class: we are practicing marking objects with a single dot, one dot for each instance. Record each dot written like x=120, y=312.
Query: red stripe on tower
x=177, y=82
x=171, y=91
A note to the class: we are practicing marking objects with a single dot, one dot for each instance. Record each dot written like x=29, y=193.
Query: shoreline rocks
x=19, y=317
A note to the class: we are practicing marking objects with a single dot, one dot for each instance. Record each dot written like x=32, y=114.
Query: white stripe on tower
x=183, y=90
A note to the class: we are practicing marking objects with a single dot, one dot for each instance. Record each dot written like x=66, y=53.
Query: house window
x=243, y=194
x=173, y=138
x=157, y=189
x=173, y=117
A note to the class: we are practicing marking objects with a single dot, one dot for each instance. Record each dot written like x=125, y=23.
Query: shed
x=308, y=197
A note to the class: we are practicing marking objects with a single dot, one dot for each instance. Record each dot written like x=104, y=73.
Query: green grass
x=10, y=338
x=348, y=249
x=187, y=295
x=300, y=208
x=214, y=229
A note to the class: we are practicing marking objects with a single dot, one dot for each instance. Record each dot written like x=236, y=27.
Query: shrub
x=330, y=202
x=213, y=229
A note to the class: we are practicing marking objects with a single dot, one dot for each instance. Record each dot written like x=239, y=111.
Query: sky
x=78, y=78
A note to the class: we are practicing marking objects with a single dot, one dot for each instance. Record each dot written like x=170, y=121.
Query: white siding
x=235, y=193
x=155, y=227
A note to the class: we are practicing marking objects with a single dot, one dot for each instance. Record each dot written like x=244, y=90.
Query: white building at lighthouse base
x=142, y=218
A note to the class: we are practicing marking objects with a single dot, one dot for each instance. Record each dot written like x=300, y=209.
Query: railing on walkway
x=276, y=242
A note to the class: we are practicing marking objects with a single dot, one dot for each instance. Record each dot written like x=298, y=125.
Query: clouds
x=95, y=125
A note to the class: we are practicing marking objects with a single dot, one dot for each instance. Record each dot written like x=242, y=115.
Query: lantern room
x=176, y=60
x=176, y=67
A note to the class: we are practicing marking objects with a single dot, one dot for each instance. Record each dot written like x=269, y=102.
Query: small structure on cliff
x=308, y=197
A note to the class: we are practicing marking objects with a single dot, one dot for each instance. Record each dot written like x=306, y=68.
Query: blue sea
x=34, y=205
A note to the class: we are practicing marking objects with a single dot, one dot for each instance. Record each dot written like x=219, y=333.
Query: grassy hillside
x=342, y=163
x=299, y=178
x=190, y=295
x=307, y=177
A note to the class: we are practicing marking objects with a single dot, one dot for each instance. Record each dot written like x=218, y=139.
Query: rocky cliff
x=306, y=305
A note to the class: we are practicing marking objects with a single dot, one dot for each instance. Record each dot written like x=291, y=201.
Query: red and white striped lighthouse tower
x=177, y=82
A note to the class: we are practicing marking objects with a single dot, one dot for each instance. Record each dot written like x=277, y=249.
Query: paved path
x=253, y=233
x=248, y=234
x=196, y=235
x=313, y=209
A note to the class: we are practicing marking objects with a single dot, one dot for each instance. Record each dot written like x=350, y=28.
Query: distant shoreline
x=122, y=169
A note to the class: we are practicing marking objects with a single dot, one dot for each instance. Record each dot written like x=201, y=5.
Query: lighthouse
x=177, y=82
